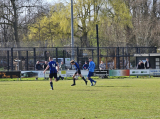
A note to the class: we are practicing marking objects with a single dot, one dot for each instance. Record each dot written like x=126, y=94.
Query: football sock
x=51, y=84
x=91, y=80
x=74, y=81
x=84, y=79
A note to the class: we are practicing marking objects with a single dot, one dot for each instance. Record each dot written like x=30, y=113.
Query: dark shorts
x=78, y=71
x=90, y=74
x=51, y=75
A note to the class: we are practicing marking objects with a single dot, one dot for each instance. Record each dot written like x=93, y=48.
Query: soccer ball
x=76, y=77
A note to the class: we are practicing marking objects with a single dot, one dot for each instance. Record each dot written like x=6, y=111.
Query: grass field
x=109, y=99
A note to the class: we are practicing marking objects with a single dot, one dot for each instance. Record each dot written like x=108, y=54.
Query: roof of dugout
x=147, y=55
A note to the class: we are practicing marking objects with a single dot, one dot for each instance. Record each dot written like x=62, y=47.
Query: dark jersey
x=85, y=66
x=76, y=66
x=52, y=66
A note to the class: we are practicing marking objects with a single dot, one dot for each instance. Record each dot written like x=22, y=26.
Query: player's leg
x=91, y=80
x=74, y=80
x=79, y=72
x=55, y=76
x=94, y=82
x=51, y=83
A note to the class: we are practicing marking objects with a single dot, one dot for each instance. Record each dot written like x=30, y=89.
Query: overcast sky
x=56, y=1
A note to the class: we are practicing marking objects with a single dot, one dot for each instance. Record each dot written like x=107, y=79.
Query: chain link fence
x=25, y=58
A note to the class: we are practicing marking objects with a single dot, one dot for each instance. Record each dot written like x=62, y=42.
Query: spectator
x=38, y=66
x=147, y=64
x=45, y=65
x=102, y=66
x=62, y=66
x=142, y=65
x=85, y=66
x=139, y=65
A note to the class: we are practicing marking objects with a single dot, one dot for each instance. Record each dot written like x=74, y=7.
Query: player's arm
x=46, y=69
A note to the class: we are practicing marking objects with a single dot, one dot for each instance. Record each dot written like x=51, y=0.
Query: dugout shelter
x=154, y=59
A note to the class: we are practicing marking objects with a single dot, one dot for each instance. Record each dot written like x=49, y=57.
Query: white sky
x=56, y=1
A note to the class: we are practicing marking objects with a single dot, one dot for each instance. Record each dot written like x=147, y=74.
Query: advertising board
x=25, y=74
x=10, y=74
x=139, y=72
x=60, y=73
x=154, y=72
x=118, y=72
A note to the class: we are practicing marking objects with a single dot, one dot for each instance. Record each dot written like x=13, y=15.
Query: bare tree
x=16, y=14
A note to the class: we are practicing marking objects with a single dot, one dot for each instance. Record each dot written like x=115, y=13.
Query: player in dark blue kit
x=53, y=71
x=91, y=70
x=76, y=65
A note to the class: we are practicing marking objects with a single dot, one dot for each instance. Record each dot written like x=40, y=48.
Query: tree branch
x=6, y=23
x=6, y=18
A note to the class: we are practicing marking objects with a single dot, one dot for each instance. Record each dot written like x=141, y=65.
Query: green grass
x=110, y=98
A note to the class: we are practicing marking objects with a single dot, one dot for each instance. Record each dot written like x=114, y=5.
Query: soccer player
x=91, y=70
x=53, y=71
x=76, y=65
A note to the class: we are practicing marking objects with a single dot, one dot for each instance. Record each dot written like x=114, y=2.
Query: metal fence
x=24, y=58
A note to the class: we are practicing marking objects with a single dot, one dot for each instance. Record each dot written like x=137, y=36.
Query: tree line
x=121, y=23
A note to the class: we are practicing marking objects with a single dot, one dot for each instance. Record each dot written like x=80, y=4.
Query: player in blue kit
x=91, y=71
x=53, y=71
x=76, y=65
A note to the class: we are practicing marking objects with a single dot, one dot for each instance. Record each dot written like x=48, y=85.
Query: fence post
x=97, y=46
x=34, y=49
x=123, y=57
x=12, y=59
x=7, y=60
x=129, y=60
x=77, y=55
x=92, y=55
x=115, y=58
x=45, y=55
x=118, y=62
x=155, y=49
x=136, y=57
x=56, y=54
x=27, y=59
x=136, y=49
x=64, y=56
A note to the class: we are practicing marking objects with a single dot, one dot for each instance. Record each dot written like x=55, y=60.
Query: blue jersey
x=76, y=66
x=91, y=66
x=52, y=66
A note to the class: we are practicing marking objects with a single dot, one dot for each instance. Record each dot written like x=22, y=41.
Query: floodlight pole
x=72, y=32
